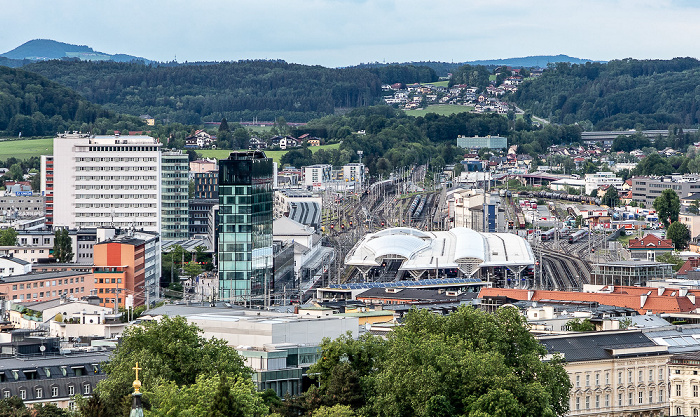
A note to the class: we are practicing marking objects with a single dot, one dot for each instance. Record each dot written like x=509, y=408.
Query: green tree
x=223, y=127
x=8, y=237
x=192, y=269
x=210, y=396
x=670, y=258
x=334, y=411
x=170, y=352
x=13, y=407
x=679, y=234
x=16, y=173
x=694, y=207
x=578, y=325
x=611, y=197
x=668, y=206
x=62, y=246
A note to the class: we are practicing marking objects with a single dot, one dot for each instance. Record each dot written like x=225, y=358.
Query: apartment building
x=317, y=176
x=614, y=373
x=175, y=195
x=106, y=181
x=47, y=285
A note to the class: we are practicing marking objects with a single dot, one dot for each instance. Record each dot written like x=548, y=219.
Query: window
x=578, y=381
x=640, y=377
x=607, y=400
x=607, y=378
x=578, y=403
x=678, y=411
x=54, y=391
x=23, y=394
x=597, y=401
x=629, y=377
x=588, y=380
x=6, y=394
x=695, y=412
x=619, y=400
x=71, y=390
x=86, y=389
x=588, y=402
x=597, y=378
x=619, y=378
x=678, y=390
x=39, y=393
x=695, y=390
x=661, y=373
x=630, y=399
x=651, y=396
x=661, y=395
x=641, y=397
x=651, y=375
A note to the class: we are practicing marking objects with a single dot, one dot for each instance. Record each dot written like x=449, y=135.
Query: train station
x=406, y=253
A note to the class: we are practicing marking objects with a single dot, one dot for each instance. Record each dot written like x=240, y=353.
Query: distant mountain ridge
x=46, y=49
x=443, y=68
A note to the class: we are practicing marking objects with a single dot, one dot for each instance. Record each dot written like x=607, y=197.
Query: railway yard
x=560, y=265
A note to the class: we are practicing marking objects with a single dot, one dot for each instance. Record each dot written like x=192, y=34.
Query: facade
x=614, y=373
x=491, y=142
x=316, y=176
x=466, y=209
x=684, y=393
x=649, y=247
x=206, y=185
x=630, y=272
x=106, y=181
x=36, y=246
x=299, y=205
x=600, y=179
x=204, y=219
x=22, y=204
x=646, y=189
x=203, y=165
x=47, y=186
x=127, y=265
x=354, y=173
x=51, y=379
x=175, y=195
x=245, y=226
x=43, y=286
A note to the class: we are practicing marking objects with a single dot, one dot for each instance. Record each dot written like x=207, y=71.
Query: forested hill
x=621, y=94
x=195, y=93
x=34, y=106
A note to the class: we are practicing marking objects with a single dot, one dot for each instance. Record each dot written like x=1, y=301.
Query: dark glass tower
x=245, y=226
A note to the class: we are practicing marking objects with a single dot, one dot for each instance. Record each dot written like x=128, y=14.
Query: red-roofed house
x=649, y=246
x=641, y=299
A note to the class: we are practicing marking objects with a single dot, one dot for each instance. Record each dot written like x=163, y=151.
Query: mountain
x=444, y=68
x=46, y=49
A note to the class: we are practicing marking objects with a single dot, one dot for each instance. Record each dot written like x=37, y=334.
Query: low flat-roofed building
x=629, y=273
x=43, y=286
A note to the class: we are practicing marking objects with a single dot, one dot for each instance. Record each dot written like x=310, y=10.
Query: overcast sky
x=348, y=32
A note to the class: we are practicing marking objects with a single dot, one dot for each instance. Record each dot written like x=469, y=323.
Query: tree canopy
x=667, y=206
x=679, y=234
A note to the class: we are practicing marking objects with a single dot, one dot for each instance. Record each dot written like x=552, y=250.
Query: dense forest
x=622, y=94
x=243, y=90
x=36, y=106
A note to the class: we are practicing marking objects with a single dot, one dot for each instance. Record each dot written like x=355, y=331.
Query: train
x=414, y=204
x=578, y=236
x=584, y=199
x=548, y=235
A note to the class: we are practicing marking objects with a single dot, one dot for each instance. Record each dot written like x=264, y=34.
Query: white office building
x=317, y=176
x=354, y=173
x=599, y=179
x=107, y=181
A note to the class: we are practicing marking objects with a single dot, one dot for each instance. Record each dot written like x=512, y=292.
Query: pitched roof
x=641, y=299
x=594, y=346
x=650, y=241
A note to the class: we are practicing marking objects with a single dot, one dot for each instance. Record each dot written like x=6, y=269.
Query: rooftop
x=35, y=276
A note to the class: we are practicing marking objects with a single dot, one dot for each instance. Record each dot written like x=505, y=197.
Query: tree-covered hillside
x=209, y=92
x=621, y=94
x=35, y=106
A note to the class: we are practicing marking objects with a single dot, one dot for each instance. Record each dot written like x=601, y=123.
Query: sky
x=336, y=33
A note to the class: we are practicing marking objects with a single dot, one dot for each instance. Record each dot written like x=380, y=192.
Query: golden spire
x=137, y=383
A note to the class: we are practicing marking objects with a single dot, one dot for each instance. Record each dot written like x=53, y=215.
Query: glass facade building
x=175, y=166
x=245, y=226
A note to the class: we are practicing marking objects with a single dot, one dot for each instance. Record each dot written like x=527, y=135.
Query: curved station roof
x=459, y=247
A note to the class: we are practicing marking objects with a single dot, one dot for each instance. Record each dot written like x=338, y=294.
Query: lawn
x=439, y=83
x=441, y=109
x=25, y=148
x=275, y=155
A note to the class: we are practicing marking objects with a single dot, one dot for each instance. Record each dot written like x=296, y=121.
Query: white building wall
x=107, y=180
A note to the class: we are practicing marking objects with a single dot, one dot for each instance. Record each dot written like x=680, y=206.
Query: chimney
x=643, y=300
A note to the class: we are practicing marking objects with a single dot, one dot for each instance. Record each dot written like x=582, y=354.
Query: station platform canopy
x=458, y=248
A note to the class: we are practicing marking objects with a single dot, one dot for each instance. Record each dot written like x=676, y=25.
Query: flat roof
x=33, y=276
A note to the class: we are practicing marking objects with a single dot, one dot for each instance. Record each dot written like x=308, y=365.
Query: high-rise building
x=175, y=167
x=106, y=181
x=47, y=186
x=245, y=226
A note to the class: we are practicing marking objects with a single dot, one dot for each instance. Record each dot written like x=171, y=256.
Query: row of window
x=42, y=294
x=116, y=205
x=115, y=196
x=113, y=168
x=117, y=187
x=620, y=381
x=110, y=215
x=115, y=159
x=39, y=392
x=51, y=283
x=620, y=399
x=116, y=177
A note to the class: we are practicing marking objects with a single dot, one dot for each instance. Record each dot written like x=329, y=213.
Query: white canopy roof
x=421, y=250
